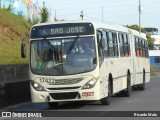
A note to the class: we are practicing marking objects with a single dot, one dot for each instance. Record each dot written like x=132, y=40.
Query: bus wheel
x=53, y=104
x=107, y=100
x=127, y=92
x=135, y=88
x=142, y=86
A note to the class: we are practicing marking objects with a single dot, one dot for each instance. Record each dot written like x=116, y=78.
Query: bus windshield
x=63, y=56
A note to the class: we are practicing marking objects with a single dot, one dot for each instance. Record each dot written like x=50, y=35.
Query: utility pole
x=55, y=15
x=43, y=4
x=81, y=14
x=140, y=11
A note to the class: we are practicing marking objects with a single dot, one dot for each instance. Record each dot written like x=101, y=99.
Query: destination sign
x=59, y=30
x=63, y=30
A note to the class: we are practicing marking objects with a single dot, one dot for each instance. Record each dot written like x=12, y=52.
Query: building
x=154, y=57
x=154, y=34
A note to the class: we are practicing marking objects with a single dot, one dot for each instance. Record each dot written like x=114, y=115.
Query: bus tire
x=107, y=100
x=53, y=104
x=142, y=86
x=127, y=91
x=135, y=88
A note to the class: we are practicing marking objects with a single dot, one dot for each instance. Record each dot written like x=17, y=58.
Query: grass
x=13, y=29
x=154, y=69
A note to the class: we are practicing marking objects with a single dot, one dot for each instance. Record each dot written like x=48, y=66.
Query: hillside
x=12, y=29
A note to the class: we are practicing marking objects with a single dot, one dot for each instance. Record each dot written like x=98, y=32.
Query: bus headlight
x=90, y=84
x=37, y=86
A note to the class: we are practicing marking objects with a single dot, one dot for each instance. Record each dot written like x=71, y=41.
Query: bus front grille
x=62, y=96
x=66, y=81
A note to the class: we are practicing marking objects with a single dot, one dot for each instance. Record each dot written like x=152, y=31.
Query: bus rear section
x=141, y=66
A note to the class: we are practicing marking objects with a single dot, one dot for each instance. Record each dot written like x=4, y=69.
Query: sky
x=123, y=12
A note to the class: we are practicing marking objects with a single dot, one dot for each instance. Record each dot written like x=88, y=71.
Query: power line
x=73, y=13
x=91, y=2
x=106, y=7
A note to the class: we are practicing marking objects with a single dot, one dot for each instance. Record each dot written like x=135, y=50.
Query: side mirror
x=23, y=50
x=103, y=43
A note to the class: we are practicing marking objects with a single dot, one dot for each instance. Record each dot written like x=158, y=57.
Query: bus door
x=102, y=64
x=133, y=57
x=107, y=54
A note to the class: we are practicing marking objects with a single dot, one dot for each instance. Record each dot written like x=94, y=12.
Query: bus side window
x=115, y=44
x=106, y=50
x=121, y=42
x=129, y=48
x=140, y=47
x=99, y=37
x=136, y=46
x=143, y=48
x=126, y=47
x=111, y=44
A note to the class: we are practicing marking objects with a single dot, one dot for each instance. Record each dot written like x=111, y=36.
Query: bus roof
x=96, y=25
x=142, y=35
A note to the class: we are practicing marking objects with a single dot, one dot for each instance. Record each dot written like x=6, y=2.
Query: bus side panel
x=139, y=70
x=103, y=77
x=108, y=67
x=122, y=71
x=112, y=67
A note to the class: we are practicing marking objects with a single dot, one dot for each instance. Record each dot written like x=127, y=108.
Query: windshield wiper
x=50, y=45
x=73, y=44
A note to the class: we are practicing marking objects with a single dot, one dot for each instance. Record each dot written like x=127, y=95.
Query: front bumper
x=66, y=95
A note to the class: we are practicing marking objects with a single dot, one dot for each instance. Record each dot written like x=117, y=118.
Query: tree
x=44, y=15
x=35, y=20
x=150, y=40
x=9, y=8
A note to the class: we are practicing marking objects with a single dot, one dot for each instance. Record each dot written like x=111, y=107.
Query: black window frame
x=125, y=44
x=141, y=47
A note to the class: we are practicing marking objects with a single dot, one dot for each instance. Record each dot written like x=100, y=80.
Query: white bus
x=83, y=60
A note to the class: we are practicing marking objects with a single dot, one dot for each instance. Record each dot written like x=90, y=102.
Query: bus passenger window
x=99, y=37
x=143, y=48
x=106, y=51
x=125, y=44
x=121, y=42
x=115, y=44
x=111, y=44
x=140, y=47
x=136, y=46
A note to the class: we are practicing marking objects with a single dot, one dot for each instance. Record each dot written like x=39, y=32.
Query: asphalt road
x=148, y=100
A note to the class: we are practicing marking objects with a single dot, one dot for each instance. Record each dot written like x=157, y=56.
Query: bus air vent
x=66, y=95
